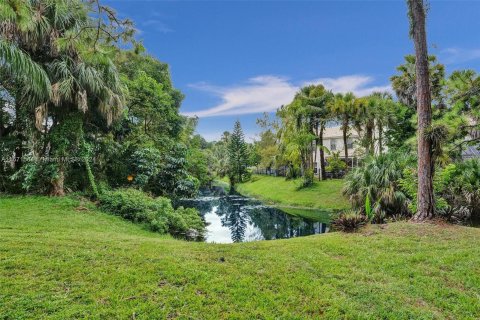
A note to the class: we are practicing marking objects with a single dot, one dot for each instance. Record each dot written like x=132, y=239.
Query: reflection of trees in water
x=269, y=223
x=233, y=216
x=203, y=206
x=275, y=224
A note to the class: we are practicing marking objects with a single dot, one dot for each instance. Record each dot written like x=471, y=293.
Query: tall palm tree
x=57, y=42
x=404, y=83
x=316, y=100
x=383, y=115
x=343, y=107
x=425, y=202
x=18, y=65
x=364, y=122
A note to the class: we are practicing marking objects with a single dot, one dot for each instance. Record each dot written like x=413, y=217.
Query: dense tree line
x=84, y=108
x=412, y=146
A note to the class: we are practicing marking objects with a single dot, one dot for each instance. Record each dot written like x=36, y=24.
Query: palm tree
x=56, y=42
x=316, y=100
x=295, y=135
x=343, y=107
x=378, y=180
x=384, y=105
x=18, y=65
x=364, y=122
x=425, y=202
x=404, y=83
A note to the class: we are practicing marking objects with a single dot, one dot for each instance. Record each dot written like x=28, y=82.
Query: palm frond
x=19, y=65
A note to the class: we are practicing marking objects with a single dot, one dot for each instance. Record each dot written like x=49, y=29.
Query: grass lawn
x=62, y=260
x=276, y=190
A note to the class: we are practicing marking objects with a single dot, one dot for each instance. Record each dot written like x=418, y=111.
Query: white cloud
x=267, y=93
x=459, y=55
x=357, y=84
x=156, y=25
x=217, y=135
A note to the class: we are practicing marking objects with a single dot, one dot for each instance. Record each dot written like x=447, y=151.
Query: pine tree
x=425, y=198
x=237, y=155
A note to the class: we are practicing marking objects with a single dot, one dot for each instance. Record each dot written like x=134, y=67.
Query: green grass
x=276, y=190
x=60, y=261
x=312, y=214
x=221, y=183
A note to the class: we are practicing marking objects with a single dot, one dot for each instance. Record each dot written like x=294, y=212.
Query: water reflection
x=233, y=218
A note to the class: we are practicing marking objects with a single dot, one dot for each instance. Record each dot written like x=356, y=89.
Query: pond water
x=234, y=218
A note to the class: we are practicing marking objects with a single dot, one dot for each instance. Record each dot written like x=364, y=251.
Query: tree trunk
x=316, y=146
x=380, y=138
x=2, y=156
x=345, y=142
x=19, y=128
x=369, y=137
x=57, y=184
x=322, y=172
x=425, y=198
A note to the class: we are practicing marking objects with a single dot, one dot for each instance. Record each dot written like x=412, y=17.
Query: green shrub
x=157, y=213
x=379, y=179
x=307, y=179
x=350, y=221
x=459, y=185
x=335, y=164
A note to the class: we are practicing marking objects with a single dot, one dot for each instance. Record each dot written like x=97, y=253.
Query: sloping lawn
x=276, y=190
x=62, y=260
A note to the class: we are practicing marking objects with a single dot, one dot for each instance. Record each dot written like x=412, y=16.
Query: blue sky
x=237, y=59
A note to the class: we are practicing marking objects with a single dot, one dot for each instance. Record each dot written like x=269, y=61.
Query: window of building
x=333, y=145
x=349, y=144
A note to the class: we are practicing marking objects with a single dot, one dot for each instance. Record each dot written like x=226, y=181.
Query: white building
x=333, y=141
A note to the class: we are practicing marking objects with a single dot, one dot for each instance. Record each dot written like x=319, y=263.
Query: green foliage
x=459, y=185
x=335, y=163
x=199, y=165
x=378, y=180
x=266, y=149
x=402, y=128
x=254, y=156
x=157, y=213
x=35, y=176
x=368, y=208
x=237, y=155
x=408, y=184
x=145, y=164
x=174, y=179
x=163, y=174
x=91, y=178
x=301, y=121
x=151, y=107
x=307, y=179
x=455, y=189
x=350, y=221
x=404, y=83
x=19, y=64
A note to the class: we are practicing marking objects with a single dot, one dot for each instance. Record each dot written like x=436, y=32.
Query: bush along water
x=157, y=213
x=350, y=221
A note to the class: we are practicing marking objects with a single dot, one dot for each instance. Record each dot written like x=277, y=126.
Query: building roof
x=471, y=152
x=336, y=132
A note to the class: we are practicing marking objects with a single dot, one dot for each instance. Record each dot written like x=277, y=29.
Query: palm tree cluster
x=303, y=124
x=56, y=64
x=81, y=101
